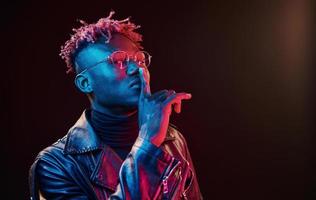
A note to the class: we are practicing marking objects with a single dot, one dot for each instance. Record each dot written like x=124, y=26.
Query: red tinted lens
x=119, y=57
x=142, y=58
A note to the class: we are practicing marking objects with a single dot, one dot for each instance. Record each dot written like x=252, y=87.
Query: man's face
x=111, y=85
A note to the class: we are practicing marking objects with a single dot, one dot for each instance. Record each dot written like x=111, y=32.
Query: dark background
x=247, y=64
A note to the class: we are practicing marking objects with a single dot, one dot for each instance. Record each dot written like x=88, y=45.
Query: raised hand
x=155, y=109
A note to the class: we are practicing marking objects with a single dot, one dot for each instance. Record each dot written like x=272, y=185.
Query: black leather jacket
x=79, y=166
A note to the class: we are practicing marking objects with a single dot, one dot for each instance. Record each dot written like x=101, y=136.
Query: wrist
x=157, y=141
x=154, y=137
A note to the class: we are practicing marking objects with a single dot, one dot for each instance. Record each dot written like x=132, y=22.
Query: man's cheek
x=119, y=75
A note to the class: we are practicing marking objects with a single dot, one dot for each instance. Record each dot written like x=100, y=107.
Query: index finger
x=145, y=88
x=177, y=97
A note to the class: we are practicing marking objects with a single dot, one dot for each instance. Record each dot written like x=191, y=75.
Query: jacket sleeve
x=191, y=187
x=49, y=181
x=151, y=173
x=145, y=173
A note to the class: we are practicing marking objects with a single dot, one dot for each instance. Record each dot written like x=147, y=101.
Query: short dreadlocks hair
x=90, y=33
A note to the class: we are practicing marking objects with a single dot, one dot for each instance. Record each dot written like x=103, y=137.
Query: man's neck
x=118, y=128
x=115, y=111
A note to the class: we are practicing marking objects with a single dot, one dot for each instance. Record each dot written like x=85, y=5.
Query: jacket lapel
x=106, y=173
x=82, y=139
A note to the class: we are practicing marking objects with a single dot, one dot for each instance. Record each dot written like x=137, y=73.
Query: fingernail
x=189, y=95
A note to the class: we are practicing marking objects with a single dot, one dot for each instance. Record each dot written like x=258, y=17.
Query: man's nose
x=132, y=68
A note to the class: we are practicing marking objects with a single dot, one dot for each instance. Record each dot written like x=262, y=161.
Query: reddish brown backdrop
x=247, y=64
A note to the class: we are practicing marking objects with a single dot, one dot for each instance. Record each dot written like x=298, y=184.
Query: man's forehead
x=117, y=42
x=123, y=43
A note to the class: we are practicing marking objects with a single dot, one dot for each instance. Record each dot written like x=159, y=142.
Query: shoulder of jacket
x=55, y=149
x=174, y=130
x=177, y=135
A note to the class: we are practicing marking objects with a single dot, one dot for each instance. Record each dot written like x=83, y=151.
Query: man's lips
x=134, y=82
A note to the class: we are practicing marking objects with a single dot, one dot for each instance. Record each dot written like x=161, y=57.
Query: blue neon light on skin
x=110, y=89
x=109, y=86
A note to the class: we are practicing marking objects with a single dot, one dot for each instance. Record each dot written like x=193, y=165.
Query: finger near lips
x=167, y=98
x=145, y=89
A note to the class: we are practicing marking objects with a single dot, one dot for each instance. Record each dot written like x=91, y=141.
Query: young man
x=123, y=146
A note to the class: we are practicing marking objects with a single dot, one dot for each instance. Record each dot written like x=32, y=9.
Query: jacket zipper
x=176, y=186
x=165, y=179
x=184, y=194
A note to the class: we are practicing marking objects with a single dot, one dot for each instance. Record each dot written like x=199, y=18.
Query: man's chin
x=132, y=101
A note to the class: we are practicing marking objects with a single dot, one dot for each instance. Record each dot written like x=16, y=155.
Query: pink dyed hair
x=90, y=33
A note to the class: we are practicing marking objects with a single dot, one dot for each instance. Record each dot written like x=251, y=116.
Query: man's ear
x=83, y=84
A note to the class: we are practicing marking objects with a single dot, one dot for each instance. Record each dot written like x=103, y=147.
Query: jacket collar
x=81, y=138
